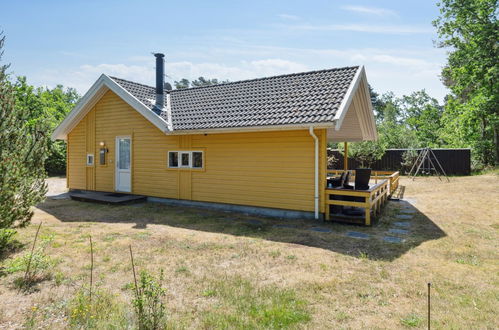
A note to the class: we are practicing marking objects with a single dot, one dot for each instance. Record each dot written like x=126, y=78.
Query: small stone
x=356, y=234
x=408, y=211
x=404, y=216
x=404, y=224
x=392, y=239
x=398, y=231
x=321, y=229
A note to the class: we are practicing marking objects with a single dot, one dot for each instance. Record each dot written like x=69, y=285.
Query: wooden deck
x=369, y=202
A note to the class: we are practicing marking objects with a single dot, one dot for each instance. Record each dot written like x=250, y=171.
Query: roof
x=300, y=98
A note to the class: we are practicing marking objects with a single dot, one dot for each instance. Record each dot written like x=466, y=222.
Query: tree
x=57, y=103
x=471, y=30
x=52, y=106
x=23, y=149
x=201, y=81
x=393, y=130
x=366, y=152
x=423, y=114
x=182, y=83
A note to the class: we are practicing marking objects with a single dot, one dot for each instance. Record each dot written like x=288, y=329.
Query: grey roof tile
x=300, y=98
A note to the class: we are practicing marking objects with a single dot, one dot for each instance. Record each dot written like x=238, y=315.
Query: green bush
x=55, y=164
x=6, y=239
x=40, y=263
x=148, y=301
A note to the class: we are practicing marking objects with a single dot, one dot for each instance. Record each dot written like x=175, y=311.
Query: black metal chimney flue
x=160, y=81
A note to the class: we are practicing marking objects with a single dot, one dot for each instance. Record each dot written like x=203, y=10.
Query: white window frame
x=179, y=158
x=93, y=159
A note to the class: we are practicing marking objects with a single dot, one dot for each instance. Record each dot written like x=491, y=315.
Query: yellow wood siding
x=76, y=157
x=267, y=169
x=90, y=148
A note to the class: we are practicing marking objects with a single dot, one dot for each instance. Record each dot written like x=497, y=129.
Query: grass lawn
x=227, y=270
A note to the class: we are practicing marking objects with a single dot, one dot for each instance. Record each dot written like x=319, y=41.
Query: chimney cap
x=159, y=54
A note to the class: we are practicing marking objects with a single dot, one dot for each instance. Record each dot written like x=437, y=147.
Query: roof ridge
x=248, y=80
x=133, y=82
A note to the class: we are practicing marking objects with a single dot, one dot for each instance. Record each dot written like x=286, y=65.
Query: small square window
x=172, y=159
x=185, y=159
x=197, y=159
x=90, y=159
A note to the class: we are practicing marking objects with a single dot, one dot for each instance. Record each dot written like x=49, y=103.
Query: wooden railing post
x=345, y=157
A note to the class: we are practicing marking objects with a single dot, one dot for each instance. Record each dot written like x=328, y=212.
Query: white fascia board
x=374, y=131
x=347, y=99
x=102, y=85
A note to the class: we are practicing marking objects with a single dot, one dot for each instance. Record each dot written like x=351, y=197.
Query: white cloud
x=243, y=70
x=289, y=17
x=369, y=28
x=84, y=76
x=370, y=10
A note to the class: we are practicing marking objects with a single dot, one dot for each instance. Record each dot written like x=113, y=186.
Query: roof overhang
x=255, y=128
x=370, y=131
x=92, y=96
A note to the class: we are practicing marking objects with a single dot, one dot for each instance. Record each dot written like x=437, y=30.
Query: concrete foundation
x=261, y=211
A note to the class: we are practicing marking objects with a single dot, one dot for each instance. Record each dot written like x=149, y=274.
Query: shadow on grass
x=336, y=237
x=13, y=247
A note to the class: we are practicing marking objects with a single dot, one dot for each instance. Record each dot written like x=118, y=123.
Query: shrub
x=148, y=302
x=366, y=152
x=6, y=239
x=408, y=159
x=55, y=164
x=40, y=269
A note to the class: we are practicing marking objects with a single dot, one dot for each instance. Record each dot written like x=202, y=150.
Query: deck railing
x=392, y=176
x=372, y=200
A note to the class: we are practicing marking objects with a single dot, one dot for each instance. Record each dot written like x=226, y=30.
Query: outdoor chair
x=362, y=177
x=338, y=181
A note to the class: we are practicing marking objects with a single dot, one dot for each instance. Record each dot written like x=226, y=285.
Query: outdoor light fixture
x=102, y=153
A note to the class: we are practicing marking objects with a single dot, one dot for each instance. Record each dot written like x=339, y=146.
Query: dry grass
x=221, y=271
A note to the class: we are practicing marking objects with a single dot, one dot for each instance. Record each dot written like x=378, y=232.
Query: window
x=173, y=159
x=185, y=159
x=90, y=159
x=197, y=159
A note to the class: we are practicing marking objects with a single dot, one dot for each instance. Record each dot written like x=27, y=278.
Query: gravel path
x=56, y=186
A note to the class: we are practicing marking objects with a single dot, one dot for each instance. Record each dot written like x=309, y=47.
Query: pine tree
x=23, y=149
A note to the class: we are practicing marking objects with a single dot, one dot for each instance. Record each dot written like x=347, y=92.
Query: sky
x=73, y=42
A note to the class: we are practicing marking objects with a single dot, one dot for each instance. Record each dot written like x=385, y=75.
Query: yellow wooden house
x=255, y=145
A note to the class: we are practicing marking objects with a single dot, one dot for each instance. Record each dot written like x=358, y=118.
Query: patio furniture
x=371, y=200
x=337, y=181
x=362, y=177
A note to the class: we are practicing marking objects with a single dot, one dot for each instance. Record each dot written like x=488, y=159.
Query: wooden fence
x=454, y=161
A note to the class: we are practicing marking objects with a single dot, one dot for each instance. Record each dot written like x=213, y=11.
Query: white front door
x=123, y=164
